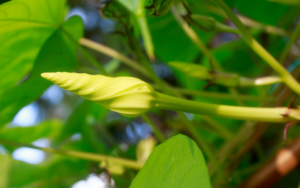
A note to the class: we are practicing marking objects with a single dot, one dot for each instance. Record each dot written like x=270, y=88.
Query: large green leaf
x=25, y=27
x=57, y=54
x=178, y=162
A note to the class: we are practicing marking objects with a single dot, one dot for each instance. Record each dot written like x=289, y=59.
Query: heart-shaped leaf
x=57, y=54
x=178, y=162
x=25, y=27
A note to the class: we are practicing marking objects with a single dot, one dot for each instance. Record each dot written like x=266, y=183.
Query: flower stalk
x=234, y=112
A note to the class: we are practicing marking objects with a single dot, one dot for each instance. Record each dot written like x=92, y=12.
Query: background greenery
x=37, y=37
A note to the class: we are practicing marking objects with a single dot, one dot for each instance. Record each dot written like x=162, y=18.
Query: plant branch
x=78, y=154
x=233, y=112
x=287, y=78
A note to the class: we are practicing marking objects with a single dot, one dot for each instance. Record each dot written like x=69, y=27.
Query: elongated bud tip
x=128, y=96
x=48, y=75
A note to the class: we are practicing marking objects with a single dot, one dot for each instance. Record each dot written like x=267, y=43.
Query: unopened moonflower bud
x=128, y=96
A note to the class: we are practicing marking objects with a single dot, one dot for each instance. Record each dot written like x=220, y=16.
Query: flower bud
x=128, y=96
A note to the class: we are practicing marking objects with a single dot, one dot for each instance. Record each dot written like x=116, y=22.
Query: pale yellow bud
x=128, y=96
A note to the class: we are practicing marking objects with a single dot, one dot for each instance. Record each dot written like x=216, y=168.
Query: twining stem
x=156, y=131
x=112, y=53
x=233, y=112
x=82, y=155
x=287, y=48
x=147, y=37
x=193, y=36
x=140, y=14
x=287, y=78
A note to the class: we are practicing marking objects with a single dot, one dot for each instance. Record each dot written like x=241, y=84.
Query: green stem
x=82, y=155
x=140, y=13
x=289, y=45
x=268, y=80
x=113, y=53
x=224, y=28
x=288, y=79
x=147, y=37
x=156, y=131
x=233, y=112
